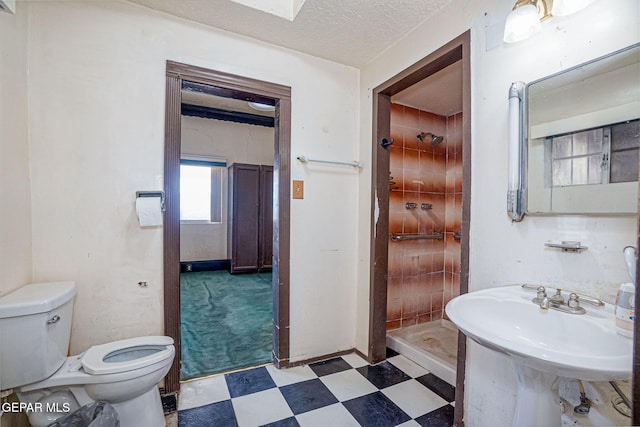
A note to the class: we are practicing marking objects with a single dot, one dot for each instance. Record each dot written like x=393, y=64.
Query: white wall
x=502, y=252
x=15, y=192
x=97, y=76
x=235, y=143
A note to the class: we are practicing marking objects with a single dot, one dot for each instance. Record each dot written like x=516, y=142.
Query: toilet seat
x=145, y=351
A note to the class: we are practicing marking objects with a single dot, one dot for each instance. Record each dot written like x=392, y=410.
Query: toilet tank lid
x=36, y=298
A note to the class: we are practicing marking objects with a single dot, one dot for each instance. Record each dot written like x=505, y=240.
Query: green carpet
x=226, y=322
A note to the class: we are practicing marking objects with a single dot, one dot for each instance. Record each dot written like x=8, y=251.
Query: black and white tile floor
x=344, y=391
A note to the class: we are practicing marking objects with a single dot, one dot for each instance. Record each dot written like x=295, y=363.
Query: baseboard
x=210, y=265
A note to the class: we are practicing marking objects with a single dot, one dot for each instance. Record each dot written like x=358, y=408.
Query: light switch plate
x=298, y=189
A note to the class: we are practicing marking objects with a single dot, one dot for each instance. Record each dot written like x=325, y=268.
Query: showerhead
x=435, y=140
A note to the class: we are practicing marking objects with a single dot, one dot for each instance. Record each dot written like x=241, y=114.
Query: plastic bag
x=97, y=414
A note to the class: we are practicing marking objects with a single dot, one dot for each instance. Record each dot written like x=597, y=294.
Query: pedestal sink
x=543, y=344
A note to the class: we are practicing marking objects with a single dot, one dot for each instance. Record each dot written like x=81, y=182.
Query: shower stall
x=425, y=215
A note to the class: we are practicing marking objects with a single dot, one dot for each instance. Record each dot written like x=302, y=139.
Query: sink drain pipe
x=624, y=398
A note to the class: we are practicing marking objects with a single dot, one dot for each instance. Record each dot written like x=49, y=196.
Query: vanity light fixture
x=527, y=15
x=515, y=192
x=524, y=20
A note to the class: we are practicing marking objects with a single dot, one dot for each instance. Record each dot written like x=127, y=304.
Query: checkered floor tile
x=344, y=391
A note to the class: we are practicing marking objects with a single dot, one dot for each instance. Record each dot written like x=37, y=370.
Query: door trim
x=456, y=50
x=236, y=87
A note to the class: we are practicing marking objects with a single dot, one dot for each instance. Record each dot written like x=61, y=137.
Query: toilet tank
x=35, y=328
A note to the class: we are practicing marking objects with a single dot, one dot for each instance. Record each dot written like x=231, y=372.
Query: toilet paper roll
x=149, y=211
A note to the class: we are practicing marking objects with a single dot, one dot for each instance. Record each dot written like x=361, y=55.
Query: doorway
x=455, y=52
x=239, y=88
x=226, y=233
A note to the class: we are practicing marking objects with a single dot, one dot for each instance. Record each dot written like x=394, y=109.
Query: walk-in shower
x=425, y=218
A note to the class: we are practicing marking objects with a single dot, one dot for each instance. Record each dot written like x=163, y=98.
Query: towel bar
x=401, y=237
x=355, y=164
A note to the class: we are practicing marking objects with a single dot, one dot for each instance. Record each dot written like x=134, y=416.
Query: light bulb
x=522, y=23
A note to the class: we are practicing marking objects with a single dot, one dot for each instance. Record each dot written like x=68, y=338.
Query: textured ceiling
x=351, y=32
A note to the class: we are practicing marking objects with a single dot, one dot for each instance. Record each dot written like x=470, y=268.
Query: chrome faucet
x=557, y=301
x=557, y=298
x=545, y=303
x=540, y=298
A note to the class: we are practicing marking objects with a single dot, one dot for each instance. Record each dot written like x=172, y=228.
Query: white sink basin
x=582, y=346
x=543, y=345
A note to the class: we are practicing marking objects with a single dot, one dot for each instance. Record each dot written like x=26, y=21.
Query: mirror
x=583, y=132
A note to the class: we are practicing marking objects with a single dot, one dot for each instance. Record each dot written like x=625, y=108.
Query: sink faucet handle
x=574, y=301
x=589, y=299
x=541, y=298
x=542, y=294
x=585, y=298
x=573, y=304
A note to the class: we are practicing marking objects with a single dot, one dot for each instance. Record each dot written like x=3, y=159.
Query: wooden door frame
x=236, y=87
x=456, y=50
x=635, y=379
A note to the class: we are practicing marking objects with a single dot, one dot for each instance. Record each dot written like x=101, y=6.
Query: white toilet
x=35, y=328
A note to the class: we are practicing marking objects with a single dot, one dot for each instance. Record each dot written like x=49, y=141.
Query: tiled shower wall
x=423, y=275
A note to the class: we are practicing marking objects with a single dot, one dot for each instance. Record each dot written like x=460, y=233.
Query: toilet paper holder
x=153, y=194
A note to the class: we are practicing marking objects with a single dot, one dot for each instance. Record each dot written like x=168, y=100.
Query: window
x=201, y=190
x=625, y=139
x=596, y=156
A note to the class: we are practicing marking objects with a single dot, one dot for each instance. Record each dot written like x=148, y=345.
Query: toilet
x=35, y=329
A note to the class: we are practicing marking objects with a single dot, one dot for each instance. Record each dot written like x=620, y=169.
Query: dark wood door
x=250, y=233
x=244, y=217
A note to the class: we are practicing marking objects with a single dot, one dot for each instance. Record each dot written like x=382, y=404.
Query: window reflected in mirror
x=625, y=138
x=595, y=156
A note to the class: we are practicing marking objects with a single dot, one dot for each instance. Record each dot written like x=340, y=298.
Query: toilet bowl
x=36, y=323
x=123, y=373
